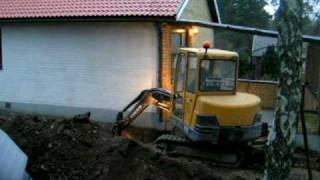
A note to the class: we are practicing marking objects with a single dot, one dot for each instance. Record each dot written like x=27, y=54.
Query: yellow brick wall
x=204, y=34
x=166, y=62
x=166, y=57
x=310, y=102
x=266, y=91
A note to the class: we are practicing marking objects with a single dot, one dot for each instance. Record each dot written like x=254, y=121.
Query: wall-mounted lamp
x=193, y=31
x=180, y=31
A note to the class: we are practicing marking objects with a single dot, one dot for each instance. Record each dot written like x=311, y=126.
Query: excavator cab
x=205, y=103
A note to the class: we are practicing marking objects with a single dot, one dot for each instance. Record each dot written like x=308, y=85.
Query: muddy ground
x=79, y=148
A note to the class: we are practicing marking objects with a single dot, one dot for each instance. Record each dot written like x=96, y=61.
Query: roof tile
x=86, y=8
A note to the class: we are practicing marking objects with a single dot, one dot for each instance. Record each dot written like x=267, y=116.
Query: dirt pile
x=79, y=148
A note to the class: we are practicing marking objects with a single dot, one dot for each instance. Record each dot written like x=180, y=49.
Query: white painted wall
x=97, y=65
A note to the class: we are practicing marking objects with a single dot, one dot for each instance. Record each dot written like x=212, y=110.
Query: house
x=63, y=57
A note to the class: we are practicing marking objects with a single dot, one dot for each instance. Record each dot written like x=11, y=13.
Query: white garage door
x=96, y=65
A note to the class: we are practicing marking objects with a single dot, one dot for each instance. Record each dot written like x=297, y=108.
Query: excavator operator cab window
x=180, y=69
x=217, y=75
x=192, y=72
x=181, y=73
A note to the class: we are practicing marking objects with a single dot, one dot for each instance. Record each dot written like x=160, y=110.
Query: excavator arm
x=158, y=97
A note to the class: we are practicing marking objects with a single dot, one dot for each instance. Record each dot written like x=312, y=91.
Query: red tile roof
x=86, y=8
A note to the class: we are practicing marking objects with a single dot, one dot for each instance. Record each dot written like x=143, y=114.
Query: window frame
x=183, y=42
x=235, y=75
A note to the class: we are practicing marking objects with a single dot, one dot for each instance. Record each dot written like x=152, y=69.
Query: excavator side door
x=185, y=88
x=179, y=86
x=191, y=87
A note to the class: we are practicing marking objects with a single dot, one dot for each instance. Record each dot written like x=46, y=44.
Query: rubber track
x=177, y=140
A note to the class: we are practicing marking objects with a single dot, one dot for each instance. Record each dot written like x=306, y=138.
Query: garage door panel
x=100, y=65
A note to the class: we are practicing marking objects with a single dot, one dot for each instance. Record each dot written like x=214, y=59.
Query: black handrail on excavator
x=159, y=97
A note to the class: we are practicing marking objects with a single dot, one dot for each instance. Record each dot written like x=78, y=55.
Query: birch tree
x=281, y=140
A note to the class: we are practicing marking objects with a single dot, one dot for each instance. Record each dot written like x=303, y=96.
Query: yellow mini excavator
x=207, y=111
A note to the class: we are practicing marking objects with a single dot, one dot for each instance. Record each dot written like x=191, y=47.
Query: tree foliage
x=245, y=13
x=270, y=64
x=310, y=16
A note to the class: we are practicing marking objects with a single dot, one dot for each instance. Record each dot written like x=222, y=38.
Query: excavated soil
x=80, y=148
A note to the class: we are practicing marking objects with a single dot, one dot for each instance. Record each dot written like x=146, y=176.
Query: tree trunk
x=281, y=140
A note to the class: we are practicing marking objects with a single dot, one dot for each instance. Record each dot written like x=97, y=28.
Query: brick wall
x=166, y=57
x=267, y=91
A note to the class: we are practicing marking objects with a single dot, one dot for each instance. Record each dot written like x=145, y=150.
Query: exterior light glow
x=179, y=31
x=193, y=31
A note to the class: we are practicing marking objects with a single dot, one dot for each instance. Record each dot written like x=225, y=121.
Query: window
x=178, y=40
x=192, y=72
x=1, y=65
x=217, y=75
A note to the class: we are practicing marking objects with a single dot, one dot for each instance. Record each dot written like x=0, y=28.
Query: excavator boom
x=158, y=97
